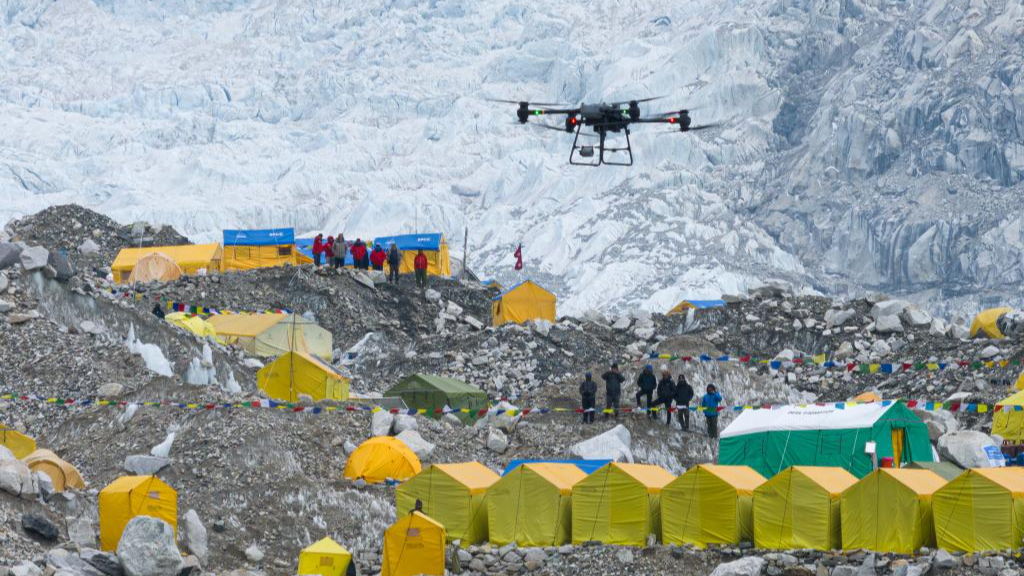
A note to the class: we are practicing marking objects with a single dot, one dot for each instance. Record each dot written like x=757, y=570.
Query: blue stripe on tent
x=268, y=237
x=305, y=247
x=411, y=241
x=587, y=466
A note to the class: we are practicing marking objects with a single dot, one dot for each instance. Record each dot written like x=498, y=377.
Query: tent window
x=284, y=250
x=754, y=448
x=830, y=445
x=326, y=561
x=154, y=495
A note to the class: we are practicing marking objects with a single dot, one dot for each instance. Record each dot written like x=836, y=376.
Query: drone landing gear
x=595, y=155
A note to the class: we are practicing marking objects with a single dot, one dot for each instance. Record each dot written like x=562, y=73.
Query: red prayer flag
x=519, y=257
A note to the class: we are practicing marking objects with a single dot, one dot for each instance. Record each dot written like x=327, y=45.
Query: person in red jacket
x=378, y=257
x=329, y=251
x=359, y=254
x=420, y=265
x=318, y=249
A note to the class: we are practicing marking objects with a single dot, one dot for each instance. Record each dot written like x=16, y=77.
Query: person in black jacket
x=394, y=263
x=666, y=394
x=613, y=390
x=684, y=394
x=588, y=394
x=646, y=383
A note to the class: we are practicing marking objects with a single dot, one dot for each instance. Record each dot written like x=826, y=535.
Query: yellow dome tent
x=980, y=510
x=710, y=504
x=452, y=494
x=326, y=558
x=413, y=545
x=193, y=324
x=986, y=323
x=189, y=259
x=890, y=511
x=155, y=267
x=866, y=397
x=521, y=303
x=62, y=474
x=131, y=496
x=1019, y=385
x=381, y=458
x=298, y=373
x=273, y=334
x=618, y=504
x=799, y=508
x=19, y=444
x=1009, y=425
x=531, y=505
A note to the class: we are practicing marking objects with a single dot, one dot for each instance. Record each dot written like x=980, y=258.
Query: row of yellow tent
x=63, y=475
x=824, y=508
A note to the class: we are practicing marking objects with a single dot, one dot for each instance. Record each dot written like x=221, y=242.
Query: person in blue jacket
x=710, y=403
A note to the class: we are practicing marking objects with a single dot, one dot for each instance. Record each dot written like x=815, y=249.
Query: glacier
x=864, y=145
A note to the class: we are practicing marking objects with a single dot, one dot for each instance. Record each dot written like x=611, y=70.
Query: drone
x=604, y=118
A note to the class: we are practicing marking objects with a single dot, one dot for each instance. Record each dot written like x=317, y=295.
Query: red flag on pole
x=519, y=257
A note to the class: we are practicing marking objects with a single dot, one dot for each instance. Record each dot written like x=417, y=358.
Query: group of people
x=657, y=392
x=333, y=253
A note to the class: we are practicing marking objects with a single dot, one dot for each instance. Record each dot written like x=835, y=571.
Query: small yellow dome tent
x=980, y=510
x=326, y=558
x=298, y=373
x=155, y=267
x=986, y=323
x=19, y=444
x=193, y=324
x=273, y=334
x=381, y=458
x=618, y=504
x=710, y=504
x=131, y=496
x=531, y=505
x=799, y=508
x=890, y=511
x=521, y=303
x=452, y=494
x=62, y=474
x=1009, y=425
x=413, y=545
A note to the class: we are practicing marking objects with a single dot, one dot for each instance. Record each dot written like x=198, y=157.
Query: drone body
x=603, y=119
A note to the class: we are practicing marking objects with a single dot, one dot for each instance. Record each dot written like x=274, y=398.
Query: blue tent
x=305, y=247
x=269, y=237
x=411, y=242
x=586, y=466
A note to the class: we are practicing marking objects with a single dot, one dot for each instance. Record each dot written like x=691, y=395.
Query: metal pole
x=465, y=252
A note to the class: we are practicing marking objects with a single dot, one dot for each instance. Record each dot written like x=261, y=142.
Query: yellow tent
x=980, y=510
x=190, y=258
x=62, y=474
x=710, y=504
x=522, y=303
x=1009, y=425
x=618, y=504
x=381, y=458
x=531, y=505
x=866, y=397
x=298, y=373
x=131, y=496
x=433, y=245
x=452, y=494
x=799, y=508
x=413, y=545
x=273, y=334
x=890, y=511
x=19, y=444
x=986, y=323
x=193, y=324
x=1019, y=385
x=326, y=558
x=155, y=267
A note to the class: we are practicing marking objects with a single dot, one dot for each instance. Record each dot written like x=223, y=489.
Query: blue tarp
x=270, y=237
x=305, y=247
x=587, y=466
x=704, y=304
x=411, y=242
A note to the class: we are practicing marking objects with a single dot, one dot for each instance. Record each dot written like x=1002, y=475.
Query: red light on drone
x=671, y=120
x=572, y=121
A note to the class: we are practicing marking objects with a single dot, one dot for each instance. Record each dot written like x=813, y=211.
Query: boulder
x=845, y=351
x=968, y=448
x=454, y=309
x=62, y=560
x=40, y=526
x=90, y=327
x=9, y=254
x=888, y=308
x=4, y=282
x=34, y=258
x=499, y=417
x=5, y=307
x=915, y=316
x=364, y=279
x=748, y=566
x=404, y=422
x=349, y=447
x=939, y=422
x=81, y=532
x=147, y=548
x=938, y=327
x=105, y=562
x=63, y=270
x=943, y=560
x=497, y=441
x=888, y=324
x=145, y=465
x=834, y=318
x=110, y=390
x=378, y=277
x=622, y=323
x=615, y=445
x=988, y=352
x=88, y=247
x=193, y=536
x=26, y=568
x=417, y=444
x=432, y=295
x=881, y=348
x=254, y=554
x=473, y=322
x=380, y=423
x=16, y=479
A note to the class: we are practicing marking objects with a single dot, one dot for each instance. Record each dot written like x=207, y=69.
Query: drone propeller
x=636, y=100
x=702, y=127
x=673, y=113
x=526, y=103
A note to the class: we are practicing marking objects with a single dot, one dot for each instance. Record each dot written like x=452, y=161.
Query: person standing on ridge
x=420, y=264
x=710, y=403
x=377, y=258
x=612, y=390
x=340, y=251
x=329, y=252
x=588, y=395
x=646, y=383
x=684, y=394
x=666, y=394
x=394, y=263
x=318, y=249
x=358, y=253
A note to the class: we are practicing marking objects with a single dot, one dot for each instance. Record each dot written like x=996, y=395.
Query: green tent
x=947, y=470
x=432, y=393
x=772, y=440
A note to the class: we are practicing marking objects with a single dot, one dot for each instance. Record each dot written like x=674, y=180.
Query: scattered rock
x=254, y=554
x=16, y=479
x=110, y=390
x=497, y=441
x=748, y=566
x=40, y=527
x=380, y=423
x=967, y=448
x=105, y=562
x=145, y=465
x=34, y=258
x=611, y=445
x=147, y=548
x=88, y=247
x=9, y=254
x=81, y=532
x=888, y=325
x=193, y=536
x=403, y=422
x=417, y=444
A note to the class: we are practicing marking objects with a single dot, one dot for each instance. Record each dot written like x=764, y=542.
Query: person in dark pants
x=420, y=265
x=394, y=263
x=612, y=390
x=359, y=255
x=588, y=394
x=646, y=383
x=710, y=403
x=318, y=249
x=666, y=394
x=377, y=258
x=684, y=394
x=340, y=251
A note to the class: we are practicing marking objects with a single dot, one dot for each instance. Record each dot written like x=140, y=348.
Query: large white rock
x=835, y=318
x=16, y=479
x=147, y=548
x=938, y=327
x=193, y=536
x=34, y=258
x=380, y=423
x=8, y=254
x=499, y=417
x=404, y=422
x=968, y=448
x=497, y=441
x=915, y=316
x=615, y=445
x=749, y=566
x=888, y=308
x=888, y=324
x=939, y=422
x=81, y=532
x=144, y=464
x=417, y=444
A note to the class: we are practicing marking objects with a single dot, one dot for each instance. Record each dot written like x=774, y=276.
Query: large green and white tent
x=434, y=393
x=771, y=440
